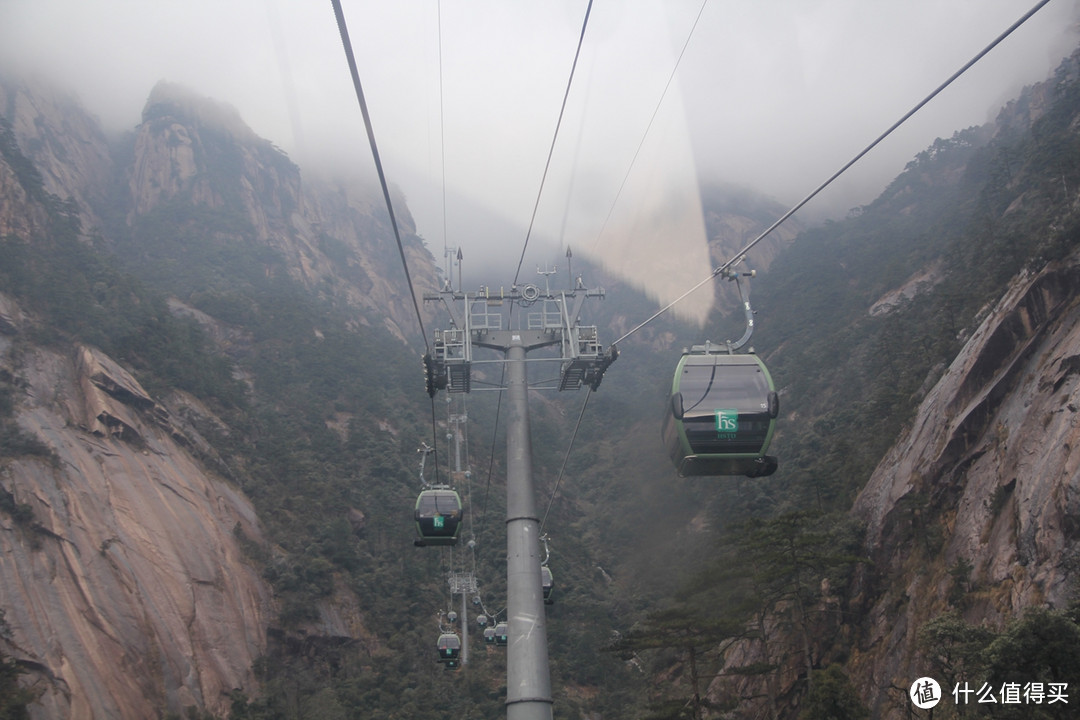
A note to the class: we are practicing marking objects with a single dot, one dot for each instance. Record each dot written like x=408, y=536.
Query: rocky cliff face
x=65, y=144
x=127, y=593
x=18, y=216
x=121, y=574
x=985, y=475
x=976, y=508
x=198, y=152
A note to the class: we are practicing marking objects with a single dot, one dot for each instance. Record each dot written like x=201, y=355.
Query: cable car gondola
x=547, y=581
x=502, y=634
x=722, y=414
x=449, y=648
x=438, y=516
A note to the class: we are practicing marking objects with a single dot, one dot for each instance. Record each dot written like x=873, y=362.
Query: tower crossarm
x=477, y=320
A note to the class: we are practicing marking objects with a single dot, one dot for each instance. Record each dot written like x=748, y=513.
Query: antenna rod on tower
x=570, y=267
x=459, y=256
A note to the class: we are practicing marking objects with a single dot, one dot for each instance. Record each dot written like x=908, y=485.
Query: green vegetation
x=767, y=591
x=14, y=441
x=14, y=699
x=1033, y=651
x=80, y=294
x=832, y=697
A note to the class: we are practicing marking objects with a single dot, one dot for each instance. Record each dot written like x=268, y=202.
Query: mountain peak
x=168, y=99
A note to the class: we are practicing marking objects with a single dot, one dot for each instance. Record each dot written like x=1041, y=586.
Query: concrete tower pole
x=528, y=676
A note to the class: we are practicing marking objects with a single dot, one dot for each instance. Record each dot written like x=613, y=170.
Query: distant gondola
x=438, y=517
x=502, y=633
x=489, y=635
x=547, y=581
x=449, y=648
x=722, y=414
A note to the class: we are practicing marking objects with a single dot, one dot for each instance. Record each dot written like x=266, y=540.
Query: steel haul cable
x=442, y=138
x=566, y=457
x=355, y=74
x=555, y=137
x=347, y=44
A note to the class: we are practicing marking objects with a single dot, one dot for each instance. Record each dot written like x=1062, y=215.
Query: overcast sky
x=465, y=95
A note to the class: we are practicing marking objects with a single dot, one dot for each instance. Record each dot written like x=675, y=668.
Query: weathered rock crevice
x=984, y=475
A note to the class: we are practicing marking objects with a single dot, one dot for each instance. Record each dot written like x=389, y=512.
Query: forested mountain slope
x=189, y=254
x=973, y=512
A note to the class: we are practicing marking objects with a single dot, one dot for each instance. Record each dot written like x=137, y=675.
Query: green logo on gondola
x=727, y=420
x=438, y=521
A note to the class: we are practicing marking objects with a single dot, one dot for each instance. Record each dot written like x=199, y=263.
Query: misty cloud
x=774, y=94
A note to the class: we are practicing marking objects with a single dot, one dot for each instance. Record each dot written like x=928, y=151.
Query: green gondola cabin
x=449, y=647
x=438, y=517
x=722, y=415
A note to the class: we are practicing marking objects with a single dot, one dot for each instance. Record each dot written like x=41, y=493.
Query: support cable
x=435, y=440
x=347, y=45
x=738, y=257
x=442, y=138
x=491, y=456
x=555, y=137
x=447, y=573
x=566, y=457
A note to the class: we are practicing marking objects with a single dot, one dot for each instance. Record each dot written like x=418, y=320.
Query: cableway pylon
x=477, y=321
x=546, y=319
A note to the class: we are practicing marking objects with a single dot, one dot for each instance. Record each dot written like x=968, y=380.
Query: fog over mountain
x=465, y=97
